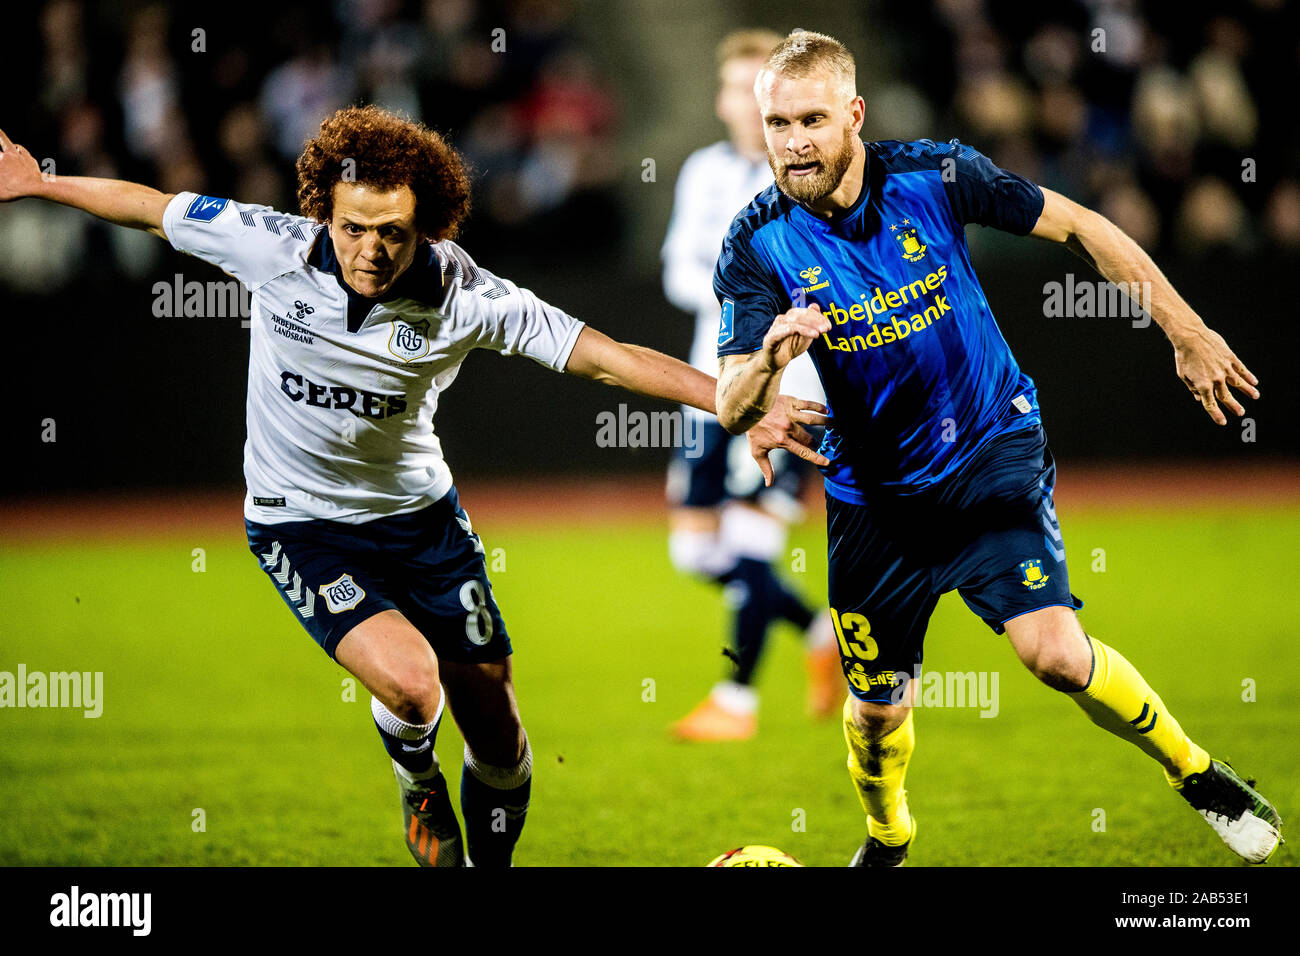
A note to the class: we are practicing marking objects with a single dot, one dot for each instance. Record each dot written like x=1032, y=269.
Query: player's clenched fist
x=791, y=334
x=19, y=173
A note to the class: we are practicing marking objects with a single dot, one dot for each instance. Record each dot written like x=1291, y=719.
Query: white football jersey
x=342, y=389
x=714, y=185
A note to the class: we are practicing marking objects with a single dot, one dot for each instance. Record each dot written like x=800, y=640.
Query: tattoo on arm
x=729, y=369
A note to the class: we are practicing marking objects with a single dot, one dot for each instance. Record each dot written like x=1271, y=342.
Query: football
x=755, y=856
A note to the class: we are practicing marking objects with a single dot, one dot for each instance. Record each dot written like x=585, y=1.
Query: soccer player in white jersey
x=725, y=525
x=362, y=311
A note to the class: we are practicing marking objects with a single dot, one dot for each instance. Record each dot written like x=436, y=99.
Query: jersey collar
x=422, y=281
x=848, y=222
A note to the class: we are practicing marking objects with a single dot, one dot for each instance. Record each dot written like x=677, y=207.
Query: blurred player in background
x=940, y=476
x=363, y=310
x=725, y=525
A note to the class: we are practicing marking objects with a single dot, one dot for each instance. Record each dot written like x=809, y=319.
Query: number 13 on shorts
x=853, y=631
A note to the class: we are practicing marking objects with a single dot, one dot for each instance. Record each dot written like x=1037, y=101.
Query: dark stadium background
x=1154, y=132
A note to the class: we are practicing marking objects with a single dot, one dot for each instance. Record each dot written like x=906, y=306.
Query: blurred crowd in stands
x=1176, y=119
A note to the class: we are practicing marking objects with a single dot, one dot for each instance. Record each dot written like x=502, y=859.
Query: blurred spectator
x=154, y=126
x=1226, y=108
x=386, y=50
x=995, y=105
x=1211, y=218
x=299, y=94
x=1133, y=211
x=568, y=120
x=65, y=80
x=1282, y=217
x=899, y=111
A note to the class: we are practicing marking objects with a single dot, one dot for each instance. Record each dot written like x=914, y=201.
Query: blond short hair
x=804, y=53
x=746, y=44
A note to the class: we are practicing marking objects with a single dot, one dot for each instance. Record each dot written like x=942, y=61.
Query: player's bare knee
x=1051, y=643
x=1062, y=662
x=417, y=695
x=875, y=720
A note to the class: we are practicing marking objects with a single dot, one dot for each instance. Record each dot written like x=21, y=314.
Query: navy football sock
x=788, y=605
x=494, y=803
x=759, y=597
x=747, y=594
x=411, y=745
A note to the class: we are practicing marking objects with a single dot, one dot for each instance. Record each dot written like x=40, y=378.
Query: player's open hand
x=1209, y=369
x=783, y=427
x=793, y=333
x=20, y=175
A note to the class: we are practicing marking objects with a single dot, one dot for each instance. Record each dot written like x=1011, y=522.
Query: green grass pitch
x=215, y=700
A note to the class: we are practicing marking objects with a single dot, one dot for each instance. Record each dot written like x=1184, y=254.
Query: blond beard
x=822, y=183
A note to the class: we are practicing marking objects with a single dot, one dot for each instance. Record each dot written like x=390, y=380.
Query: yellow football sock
x=878, y=768
x=1118, y=699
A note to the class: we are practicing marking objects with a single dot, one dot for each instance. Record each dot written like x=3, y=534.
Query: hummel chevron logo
x=273, y=556
x=1053, y=539
x=470, y=278
x=1142, y=718
x=296, y=592
x=464, y=523
x=273, y=222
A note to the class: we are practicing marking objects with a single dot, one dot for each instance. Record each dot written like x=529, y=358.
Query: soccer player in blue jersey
x=940, y=477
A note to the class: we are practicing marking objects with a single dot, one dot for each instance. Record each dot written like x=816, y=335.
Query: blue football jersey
x=917, y=374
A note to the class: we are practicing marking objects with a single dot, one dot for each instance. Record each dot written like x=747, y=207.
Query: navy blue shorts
x=428, y=564
x=990, y=533
x=720, y=469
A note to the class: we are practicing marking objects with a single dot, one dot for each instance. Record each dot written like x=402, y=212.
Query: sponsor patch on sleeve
x=727, y=327
x=205, y=208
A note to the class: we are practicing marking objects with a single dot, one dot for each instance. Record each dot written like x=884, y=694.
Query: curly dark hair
x=388, y=151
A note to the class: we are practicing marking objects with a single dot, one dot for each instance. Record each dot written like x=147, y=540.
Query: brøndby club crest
x=1034, y=578
x=410, y=340
x=913, y=249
